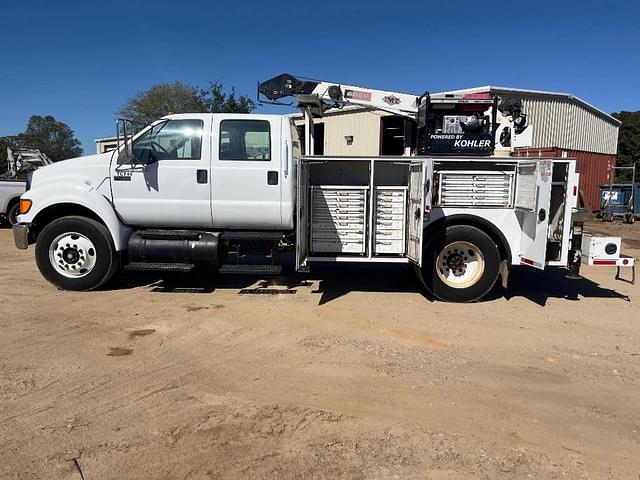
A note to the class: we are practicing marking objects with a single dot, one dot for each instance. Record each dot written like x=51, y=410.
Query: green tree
x=48, y=135
x=628, y=143
x=159, y=100
x=216, y=101
x=177, y=97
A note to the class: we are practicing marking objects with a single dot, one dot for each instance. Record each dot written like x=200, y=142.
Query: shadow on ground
x=335, y=281
x=538, y=286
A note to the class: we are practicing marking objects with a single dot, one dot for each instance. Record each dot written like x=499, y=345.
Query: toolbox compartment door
x=419, y=206
x=302, y=215
x=532, y=202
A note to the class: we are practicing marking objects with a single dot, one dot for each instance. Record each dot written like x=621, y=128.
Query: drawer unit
x=338, y=219
x=479, y=189
x=390, y=220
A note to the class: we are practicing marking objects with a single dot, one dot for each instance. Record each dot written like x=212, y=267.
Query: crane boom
x=322, y=95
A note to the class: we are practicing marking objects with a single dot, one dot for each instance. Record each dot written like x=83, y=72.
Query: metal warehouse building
x=563, y=126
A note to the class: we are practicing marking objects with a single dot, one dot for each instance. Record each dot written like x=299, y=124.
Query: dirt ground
x=349, y=372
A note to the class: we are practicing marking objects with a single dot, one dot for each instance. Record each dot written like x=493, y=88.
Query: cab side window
x=245, y=140
x=170, y=140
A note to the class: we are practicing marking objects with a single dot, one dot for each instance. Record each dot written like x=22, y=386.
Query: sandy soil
x=345, y=373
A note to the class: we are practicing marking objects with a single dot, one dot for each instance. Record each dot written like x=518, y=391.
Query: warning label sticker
x=358, y=95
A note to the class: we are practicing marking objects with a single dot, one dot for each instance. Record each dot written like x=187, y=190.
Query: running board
x=252, y=269
x=163, y=267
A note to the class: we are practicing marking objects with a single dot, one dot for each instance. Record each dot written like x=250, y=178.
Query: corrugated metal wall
x=565, y=124
x=364, y=126
x=592, y=167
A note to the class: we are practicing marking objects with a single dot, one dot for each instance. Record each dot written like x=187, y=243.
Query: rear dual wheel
x=460, y=263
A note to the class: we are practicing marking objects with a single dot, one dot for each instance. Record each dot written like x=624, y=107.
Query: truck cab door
x=420, y=178
x=167, y=183
x=533, y=199
x=247, y=173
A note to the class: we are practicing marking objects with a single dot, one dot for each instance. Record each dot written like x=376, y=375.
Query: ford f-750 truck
x=190, y=188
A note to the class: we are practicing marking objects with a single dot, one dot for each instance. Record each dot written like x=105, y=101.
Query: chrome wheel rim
x=72, y=255
x=460, y=265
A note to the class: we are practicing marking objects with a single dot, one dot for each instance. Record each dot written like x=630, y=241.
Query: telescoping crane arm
x=321, y=95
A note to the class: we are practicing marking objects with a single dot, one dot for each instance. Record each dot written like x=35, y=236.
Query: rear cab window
x=245, y=140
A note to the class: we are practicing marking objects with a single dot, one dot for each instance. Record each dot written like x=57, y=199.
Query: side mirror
x=123, y=140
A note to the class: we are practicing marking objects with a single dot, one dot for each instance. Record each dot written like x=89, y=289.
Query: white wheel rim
x=460, y=265
x=72, y=255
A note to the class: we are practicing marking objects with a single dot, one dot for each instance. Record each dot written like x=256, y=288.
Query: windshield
x=170, y=140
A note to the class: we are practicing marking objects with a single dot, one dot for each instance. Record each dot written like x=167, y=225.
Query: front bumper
x=21, y=235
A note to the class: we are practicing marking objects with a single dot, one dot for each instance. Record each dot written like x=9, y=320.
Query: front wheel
x=13, y=212
x=459, y=264
x=76, y=253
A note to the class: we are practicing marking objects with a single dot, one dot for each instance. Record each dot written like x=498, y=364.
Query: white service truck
x=199, y=190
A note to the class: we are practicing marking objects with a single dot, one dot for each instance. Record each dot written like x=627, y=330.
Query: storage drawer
x=389, y=246
x=332, y=206
x=395, y=197
x=389, y=193
x=332, y=234
x=338, y=224
x=328, y=246
x=337, y=212
x=338, y=221
x=392, y=223
x=385, y=211
x=397, y=234
x=341, y=197
x=323, y=202
x=351, y=193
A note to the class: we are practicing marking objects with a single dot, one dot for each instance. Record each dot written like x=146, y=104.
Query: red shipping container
x=592, y=167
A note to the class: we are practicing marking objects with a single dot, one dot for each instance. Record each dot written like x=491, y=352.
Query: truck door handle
x=201, y=176
x=272, y=177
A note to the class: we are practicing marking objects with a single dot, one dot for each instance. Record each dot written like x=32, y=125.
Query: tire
x=12, y=213
x=69, y=245
x=460, y=264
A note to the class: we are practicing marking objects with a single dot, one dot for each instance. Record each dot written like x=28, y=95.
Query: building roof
x=536, y=94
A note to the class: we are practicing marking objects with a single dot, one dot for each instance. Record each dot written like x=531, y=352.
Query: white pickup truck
x=200, y=189
x=13, y=182
x=10, y=191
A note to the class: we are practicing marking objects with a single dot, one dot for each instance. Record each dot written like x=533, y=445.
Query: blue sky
x=80, y=60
